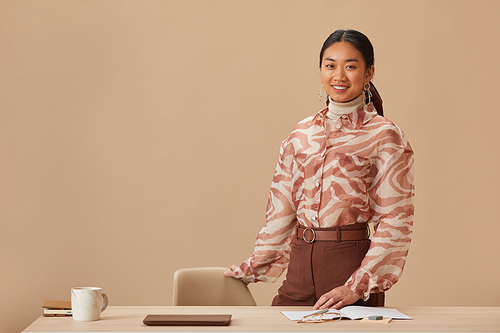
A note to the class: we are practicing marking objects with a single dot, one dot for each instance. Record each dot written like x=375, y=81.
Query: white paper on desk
x=352, y=312
x=359, y=312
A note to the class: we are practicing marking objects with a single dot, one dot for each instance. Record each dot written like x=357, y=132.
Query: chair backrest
x=209, y=286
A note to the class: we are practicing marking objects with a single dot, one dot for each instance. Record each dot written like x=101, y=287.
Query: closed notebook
x=187, y=320
x=51, y=304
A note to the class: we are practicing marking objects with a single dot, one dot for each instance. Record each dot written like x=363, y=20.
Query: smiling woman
x=339, y=170
x=358, y=61
x=344, y=72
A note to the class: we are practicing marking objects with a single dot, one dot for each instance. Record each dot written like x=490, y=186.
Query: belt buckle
x=304, y=236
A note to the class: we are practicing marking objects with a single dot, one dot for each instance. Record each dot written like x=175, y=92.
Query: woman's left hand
x=337, y=298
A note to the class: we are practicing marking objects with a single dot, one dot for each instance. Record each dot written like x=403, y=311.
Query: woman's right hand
x=232, y=273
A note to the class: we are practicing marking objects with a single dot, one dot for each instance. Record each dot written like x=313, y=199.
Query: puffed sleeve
x=272, y=247
x=391, y=207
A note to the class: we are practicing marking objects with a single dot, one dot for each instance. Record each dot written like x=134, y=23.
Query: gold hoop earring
x=319, y=94
x=368, y=94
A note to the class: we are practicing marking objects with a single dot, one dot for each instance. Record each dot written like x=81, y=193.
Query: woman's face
x=343, y=72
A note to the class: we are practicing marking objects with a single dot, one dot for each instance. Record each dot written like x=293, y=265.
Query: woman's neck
x=335, y=110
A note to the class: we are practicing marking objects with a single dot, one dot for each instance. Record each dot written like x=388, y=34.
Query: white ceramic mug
x=87, y=303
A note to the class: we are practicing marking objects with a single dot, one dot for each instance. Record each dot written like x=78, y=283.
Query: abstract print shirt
x=361, y=173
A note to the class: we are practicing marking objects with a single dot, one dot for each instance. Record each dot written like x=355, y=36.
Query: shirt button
x=314, y=217
x=344, y=116
x=317, y=184
x=338, y=126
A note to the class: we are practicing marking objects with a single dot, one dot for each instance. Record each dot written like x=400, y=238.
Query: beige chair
x=209, y=286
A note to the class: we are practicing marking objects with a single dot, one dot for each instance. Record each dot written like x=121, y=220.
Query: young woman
x=339, y=170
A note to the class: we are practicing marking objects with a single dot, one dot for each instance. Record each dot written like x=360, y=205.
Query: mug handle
x=104, y=302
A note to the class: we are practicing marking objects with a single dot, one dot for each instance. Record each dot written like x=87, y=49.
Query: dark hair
x=365, y=47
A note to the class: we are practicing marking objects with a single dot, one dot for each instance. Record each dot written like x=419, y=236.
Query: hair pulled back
x=365, y=47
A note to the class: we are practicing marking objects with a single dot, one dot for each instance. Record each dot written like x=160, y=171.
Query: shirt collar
x=357, y=118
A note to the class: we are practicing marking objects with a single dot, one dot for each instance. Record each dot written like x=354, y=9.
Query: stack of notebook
x=56, y=308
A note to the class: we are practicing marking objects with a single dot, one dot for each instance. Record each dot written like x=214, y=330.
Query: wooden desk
x=269, y=319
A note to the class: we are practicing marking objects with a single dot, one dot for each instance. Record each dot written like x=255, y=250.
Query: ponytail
x=376, y=99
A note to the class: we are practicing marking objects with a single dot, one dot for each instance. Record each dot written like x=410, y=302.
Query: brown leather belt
x=343, y=233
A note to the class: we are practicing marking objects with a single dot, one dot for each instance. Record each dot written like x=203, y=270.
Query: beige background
x=139, y=137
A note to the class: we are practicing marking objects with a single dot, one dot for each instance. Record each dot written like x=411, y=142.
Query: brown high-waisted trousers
x=316, y=268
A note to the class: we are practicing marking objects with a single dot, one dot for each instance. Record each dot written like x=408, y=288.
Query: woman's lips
x=339, y=88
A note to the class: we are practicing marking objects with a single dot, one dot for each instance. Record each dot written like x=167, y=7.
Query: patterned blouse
x=361, y=173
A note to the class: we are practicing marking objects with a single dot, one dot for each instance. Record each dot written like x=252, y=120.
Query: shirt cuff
x=362, y=282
